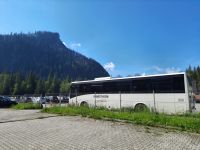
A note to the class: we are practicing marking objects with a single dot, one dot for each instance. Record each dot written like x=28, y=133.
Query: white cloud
x=75, y=45
x=110, y=66
x=166, y=70
x=172, y=70
x=157, y=68
x=144, y=74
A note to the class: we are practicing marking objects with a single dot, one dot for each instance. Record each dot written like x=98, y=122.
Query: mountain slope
x=43, y=53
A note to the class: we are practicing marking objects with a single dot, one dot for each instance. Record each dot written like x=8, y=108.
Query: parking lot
x=11, y=115
x=30, y=129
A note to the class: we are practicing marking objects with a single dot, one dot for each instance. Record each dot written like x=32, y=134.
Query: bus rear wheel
x=140, y=107
x=83, y=103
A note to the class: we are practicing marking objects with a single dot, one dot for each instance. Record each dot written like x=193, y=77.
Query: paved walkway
x=65, y=133
x=10, y=115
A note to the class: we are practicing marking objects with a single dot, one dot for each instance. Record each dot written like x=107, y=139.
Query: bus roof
x=133, y=77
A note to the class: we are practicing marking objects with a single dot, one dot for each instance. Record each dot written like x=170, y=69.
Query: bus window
x=110, y=87
x=163, y=84
x=124, y=86
x=96, y=87
x=178, y=84
x=142, y=86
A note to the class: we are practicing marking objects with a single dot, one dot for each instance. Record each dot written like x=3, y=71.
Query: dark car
x=6, y=102
x=28, y=100
x=65, y=99
x=55, y=99
x=52, y=99
x=42, y=100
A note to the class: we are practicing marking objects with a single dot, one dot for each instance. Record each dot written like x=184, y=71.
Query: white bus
x=167, y=93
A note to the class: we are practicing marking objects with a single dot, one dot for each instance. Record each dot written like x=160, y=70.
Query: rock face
x=43, y=53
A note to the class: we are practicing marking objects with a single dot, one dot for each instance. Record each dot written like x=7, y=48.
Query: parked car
x=28, y=100
x=197, y=98
x=42, y=100
x=17, y=99
x=65, y=99
x=47, y=98
x=6, y=102
x=52, y=99
x=55, y=99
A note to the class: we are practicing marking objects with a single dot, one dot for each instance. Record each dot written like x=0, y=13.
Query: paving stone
x=9, y=115
x=63, y=133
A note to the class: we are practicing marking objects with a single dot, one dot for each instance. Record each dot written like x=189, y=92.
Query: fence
x=56, y=99
x=161, y=102
x=157, y=102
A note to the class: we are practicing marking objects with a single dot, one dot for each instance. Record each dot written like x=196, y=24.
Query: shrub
x=27, y=106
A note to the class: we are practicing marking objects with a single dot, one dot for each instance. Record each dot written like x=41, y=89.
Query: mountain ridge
x=44, y=53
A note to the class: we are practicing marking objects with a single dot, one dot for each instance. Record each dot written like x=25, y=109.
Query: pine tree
x=194, y=74
x=65, y=86
x=48, y=83
x=40, y=87
x=55, y=86
x=17, y=84
x=6, y=84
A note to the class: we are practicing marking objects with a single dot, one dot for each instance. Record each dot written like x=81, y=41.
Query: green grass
x=186, y=122
x=27, y=106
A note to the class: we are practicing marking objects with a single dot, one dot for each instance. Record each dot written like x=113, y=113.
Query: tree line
x=194, y=74
x=19, y=84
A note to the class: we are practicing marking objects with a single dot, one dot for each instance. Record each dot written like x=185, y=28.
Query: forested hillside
x=43, y=53
x=18, y=84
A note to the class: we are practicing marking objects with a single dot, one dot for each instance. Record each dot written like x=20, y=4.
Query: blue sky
x=125, y=36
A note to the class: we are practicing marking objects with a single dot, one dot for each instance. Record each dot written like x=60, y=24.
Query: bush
x=27, y=106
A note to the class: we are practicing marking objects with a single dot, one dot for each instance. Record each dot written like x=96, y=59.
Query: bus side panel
x=113, y=101
x=130, y=100
x=164, y=103
x=181, y=103
x=171, y=103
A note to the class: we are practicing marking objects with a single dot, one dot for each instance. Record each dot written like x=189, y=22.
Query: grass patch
x=27, y=106
x=186, y=122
